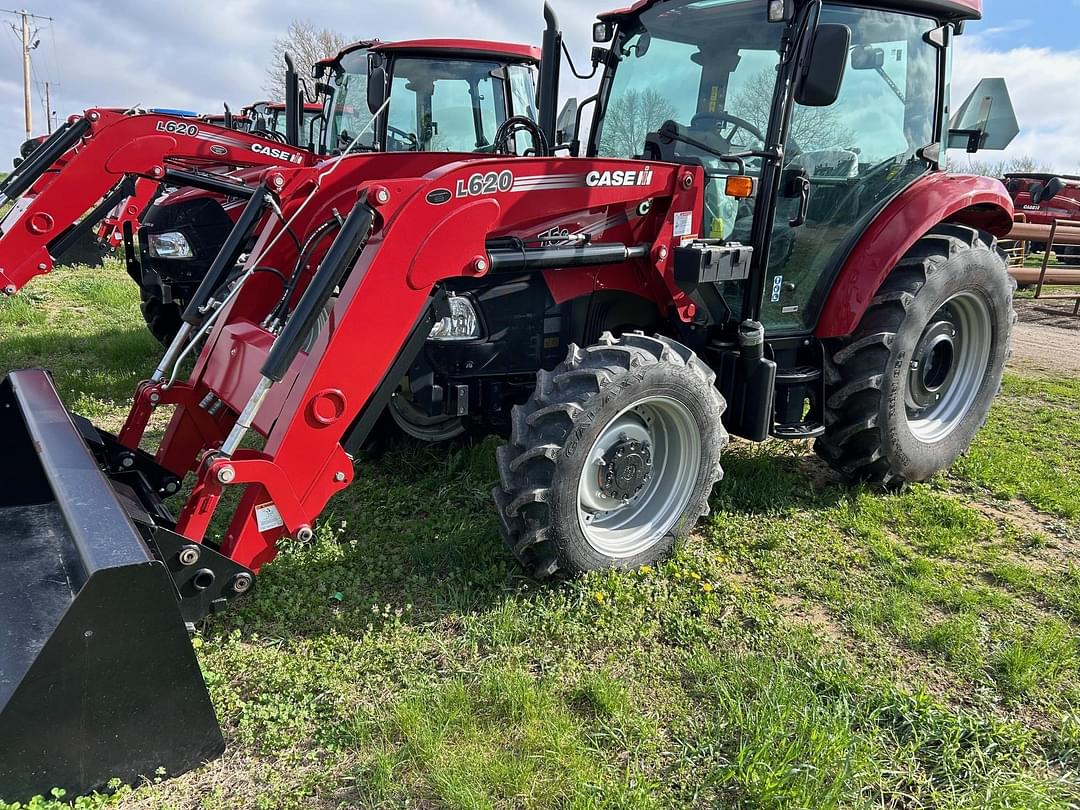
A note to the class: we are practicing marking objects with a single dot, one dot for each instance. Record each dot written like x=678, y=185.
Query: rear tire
x=909, y=390
x=163, y=320
x=613, y=458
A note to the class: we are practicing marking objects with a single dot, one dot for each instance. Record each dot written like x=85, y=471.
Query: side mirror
x=986, y=119
x=823, y=73
x=566, y=126
x=866, y=57
x=376, y=90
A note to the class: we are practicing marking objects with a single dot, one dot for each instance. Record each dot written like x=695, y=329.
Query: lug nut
x=190, y=555
x=43, y=267
x=9, y=289
x=340, y=478
x=226, y=475
x=242, y=583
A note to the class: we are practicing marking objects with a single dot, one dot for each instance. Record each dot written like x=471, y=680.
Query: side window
x=523, y=91
x=858, y=154
x=402, y=117
x=452, y=128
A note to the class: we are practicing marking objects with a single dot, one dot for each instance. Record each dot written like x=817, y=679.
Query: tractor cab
x=268, y=118
x=425, y=95
x=831, y=110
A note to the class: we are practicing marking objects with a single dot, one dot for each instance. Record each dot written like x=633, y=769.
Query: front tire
x=909, y=390
x=163, y=320
x=613, y=459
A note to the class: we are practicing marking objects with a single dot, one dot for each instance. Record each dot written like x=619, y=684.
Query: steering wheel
x=409, y=138
x=274, y=136
x=515, y=124
x=716, y=125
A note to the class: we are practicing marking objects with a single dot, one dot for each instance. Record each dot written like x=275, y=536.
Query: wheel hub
x=933, y=367
x=626, y=471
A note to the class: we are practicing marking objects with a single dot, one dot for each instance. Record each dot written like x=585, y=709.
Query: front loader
x=617, y=315
x=97, y=160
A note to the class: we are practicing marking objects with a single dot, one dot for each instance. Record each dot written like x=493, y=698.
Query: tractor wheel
x=163, y=320
x=908, y=391
x=417, y=425
x=613, y=458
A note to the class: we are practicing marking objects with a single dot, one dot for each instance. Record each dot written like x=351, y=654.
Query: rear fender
x=979, y=202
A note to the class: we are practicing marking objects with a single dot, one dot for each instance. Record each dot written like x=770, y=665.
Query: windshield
x=445, y=105
x=348, y=104
x=709, y=66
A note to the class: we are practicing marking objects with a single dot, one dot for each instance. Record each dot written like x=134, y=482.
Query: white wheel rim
x=663, y=431
x=960, y=335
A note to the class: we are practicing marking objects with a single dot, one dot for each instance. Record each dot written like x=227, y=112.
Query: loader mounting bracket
x=206, y=580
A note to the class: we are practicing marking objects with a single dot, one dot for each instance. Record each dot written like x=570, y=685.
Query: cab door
x=852, y=157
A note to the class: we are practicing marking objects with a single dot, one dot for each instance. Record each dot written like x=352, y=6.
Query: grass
x=815, y=646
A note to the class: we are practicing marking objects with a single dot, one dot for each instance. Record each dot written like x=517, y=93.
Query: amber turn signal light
x=741, y=186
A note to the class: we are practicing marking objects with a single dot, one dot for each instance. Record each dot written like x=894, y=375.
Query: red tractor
x=1043, y=198
x=445, y=95
x=710, y=265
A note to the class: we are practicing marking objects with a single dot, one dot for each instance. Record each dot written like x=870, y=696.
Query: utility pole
x=28, y=104
x=48, y=108
x=29, y=43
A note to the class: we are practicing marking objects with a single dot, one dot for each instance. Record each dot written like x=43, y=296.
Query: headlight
x=462, y=323
x=169, y=246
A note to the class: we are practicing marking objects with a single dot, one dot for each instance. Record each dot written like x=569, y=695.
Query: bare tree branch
x=307, y=45
x=998, y=169
x=811, y=127
x=630, y=118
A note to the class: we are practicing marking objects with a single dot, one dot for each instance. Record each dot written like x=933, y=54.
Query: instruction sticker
x=684, y=223
x=777, y=289
x=267, y=517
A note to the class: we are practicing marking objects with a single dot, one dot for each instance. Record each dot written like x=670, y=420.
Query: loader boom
x=52, y=192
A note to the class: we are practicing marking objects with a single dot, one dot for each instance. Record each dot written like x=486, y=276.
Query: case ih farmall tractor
x=445, y=95
x=699, y=272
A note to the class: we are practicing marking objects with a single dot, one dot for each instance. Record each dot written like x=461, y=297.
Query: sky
x=197, y=54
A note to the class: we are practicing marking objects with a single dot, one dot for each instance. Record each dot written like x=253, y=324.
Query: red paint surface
x=976, y=201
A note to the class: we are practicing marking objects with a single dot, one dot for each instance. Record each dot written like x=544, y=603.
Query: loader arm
x=71, y=175
x=315, y=406
x=110, y=232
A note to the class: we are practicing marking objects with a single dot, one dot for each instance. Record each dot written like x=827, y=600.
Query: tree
x=999, y=168
x=811, y=127
x=630, y=118
x=307, y=45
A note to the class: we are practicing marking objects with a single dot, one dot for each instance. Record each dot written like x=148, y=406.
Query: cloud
x=1042, y=83
x=197, y=54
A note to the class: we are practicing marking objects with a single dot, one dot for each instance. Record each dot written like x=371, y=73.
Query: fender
x=979, y=202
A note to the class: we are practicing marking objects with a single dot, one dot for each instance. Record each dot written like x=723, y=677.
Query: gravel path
x=1047, y=337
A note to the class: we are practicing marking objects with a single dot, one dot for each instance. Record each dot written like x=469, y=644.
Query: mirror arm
x=573, y=67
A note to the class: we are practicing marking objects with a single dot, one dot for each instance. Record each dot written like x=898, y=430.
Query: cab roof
x=943, y=9
x=479, y=48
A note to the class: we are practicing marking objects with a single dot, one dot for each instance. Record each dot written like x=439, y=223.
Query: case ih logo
x=279, y=154
x=619, y=178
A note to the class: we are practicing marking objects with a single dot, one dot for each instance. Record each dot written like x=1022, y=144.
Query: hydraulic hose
x=340, y=257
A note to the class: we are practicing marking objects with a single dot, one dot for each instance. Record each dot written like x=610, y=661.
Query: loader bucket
x=98, y=678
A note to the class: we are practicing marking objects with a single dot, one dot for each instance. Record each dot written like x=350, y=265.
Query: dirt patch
x=821, y=475
x=1047, y=337
x=1062, y=548
x=813, y=615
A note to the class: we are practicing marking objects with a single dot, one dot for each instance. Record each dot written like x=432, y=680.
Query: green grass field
x=815, y=646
